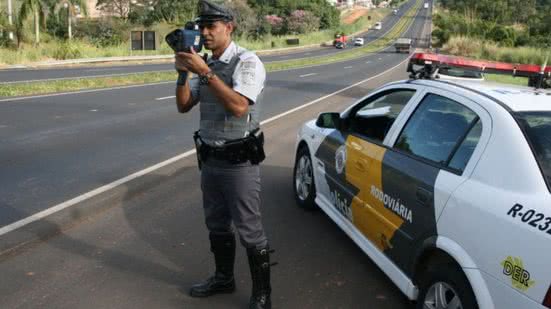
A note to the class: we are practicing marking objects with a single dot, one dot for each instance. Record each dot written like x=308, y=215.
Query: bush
x=66, y=50
x=277, y=24
x=442, y=36
x=57, y=28
x=476, y=48
x=301, y=21
x=103, y=32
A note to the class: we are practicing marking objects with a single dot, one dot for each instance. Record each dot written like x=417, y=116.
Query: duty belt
x=238, y=151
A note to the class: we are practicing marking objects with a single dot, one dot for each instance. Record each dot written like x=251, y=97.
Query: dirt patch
x=354, y=14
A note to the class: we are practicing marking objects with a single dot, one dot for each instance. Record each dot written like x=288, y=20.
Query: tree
x=245, y=18
x=301, y=21
x=73, y=7
x=119, y=8
x=36, y=7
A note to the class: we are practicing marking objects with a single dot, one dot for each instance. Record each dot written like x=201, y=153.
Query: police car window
x=436, y=128
x=537, y=126
x=373, y=118
x=461, y=156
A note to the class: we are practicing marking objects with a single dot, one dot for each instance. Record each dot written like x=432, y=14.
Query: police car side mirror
x=329, y=121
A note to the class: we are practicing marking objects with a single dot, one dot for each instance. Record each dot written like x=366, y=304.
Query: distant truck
x=426, y=5
x=340, y=40
x=402, y=45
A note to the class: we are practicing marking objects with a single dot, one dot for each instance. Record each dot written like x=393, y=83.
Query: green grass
x=22, y=89
x=478, y=49
x=506, y=79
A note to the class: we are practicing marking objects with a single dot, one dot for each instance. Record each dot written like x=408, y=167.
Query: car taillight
x=547, y=299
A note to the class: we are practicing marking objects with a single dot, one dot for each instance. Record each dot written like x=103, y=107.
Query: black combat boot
x=259, y=263
x=223, y=247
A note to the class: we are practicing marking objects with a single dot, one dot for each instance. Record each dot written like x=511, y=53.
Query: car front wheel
x=303, y=180
x=445, y=286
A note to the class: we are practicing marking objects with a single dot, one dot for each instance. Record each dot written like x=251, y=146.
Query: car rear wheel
x=444, y=286
x=303, y=180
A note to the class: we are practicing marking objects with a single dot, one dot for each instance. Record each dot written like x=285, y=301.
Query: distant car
x=403, y=45
x=395, y=12
x=359, y=42
x=340, y=45
x=426, y=5
x=378, y=26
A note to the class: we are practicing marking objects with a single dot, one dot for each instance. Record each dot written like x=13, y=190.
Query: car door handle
x=424, y=196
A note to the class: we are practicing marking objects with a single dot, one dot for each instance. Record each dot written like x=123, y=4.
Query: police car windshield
x=537, y=126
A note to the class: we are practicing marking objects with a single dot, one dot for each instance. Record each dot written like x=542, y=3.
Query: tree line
x=256, y=19
x=510, y=23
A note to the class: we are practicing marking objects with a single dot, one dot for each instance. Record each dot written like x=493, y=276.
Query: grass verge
x=479, y=49
x=24, y=89
x=506, y=79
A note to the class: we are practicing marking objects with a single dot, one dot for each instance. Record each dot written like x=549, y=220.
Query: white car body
x=378, y=26
x=491, y=218
x=359, y=42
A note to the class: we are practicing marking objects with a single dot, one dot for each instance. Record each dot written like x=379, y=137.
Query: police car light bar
x=430, y=62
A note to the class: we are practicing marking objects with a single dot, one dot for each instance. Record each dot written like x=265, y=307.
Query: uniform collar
x=228, y=54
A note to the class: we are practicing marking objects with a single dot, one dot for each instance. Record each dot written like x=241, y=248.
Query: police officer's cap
x=210, y=12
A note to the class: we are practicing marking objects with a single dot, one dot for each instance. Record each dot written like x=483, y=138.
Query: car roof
x=516, y=98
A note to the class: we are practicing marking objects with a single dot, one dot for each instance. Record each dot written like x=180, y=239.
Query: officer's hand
x=192, y=62
x=179, y=63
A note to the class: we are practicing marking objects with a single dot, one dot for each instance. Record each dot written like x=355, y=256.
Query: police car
x=444, y=184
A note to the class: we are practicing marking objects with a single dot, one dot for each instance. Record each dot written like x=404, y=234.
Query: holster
x=199, y=149
x=256, y=146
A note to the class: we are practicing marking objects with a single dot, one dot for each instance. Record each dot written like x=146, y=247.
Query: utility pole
x=10, y=20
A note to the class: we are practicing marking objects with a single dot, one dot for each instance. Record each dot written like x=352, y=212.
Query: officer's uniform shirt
x=249, y=75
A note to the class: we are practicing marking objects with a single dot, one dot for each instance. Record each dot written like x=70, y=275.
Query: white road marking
x=45, y=213
x=166, y=98
x=309, y=74
x=380, y=59
x=93, y=110
x=3, y=126
x=368, y=62
x=348, y=67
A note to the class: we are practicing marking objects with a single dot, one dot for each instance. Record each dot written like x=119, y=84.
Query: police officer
x=228, y=88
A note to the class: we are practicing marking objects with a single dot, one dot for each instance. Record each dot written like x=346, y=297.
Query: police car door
x=423, y=167
x=369, y=126
x=344, y=154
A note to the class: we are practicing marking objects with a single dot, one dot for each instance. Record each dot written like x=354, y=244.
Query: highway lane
x=57, y=147
x=152, y=245
x=19, y=75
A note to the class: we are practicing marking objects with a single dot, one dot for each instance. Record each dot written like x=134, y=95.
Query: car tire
x=445, y=286
x=304, y=185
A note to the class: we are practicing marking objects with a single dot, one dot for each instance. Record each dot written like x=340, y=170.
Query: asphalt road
x=20, y=75
x=57, y=147
x=151, y=244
